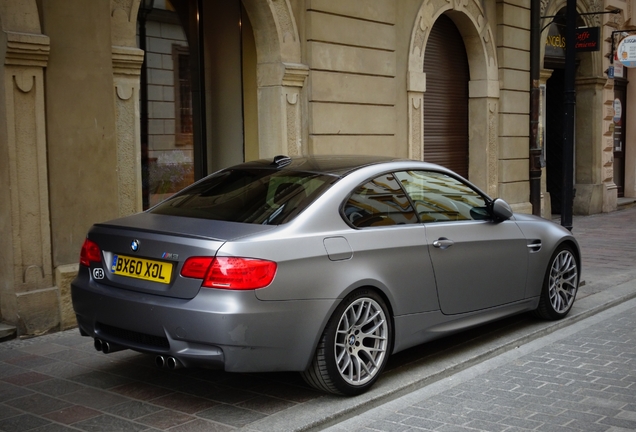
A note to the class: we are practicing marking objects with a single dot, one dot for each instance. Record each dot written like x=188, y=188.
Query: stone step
x=624, y=203
x=7, y=332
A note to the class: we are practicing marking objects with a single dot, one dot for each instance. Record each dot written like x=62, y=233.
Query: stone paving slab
x=580, y=379
x=59, y=382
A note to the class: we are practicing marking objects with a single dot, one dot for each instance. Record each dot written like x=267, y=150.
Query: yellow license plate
x=140, y=268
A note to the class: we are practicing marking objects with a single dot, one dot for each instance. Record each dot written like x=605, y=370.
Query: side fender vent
x=534, y=246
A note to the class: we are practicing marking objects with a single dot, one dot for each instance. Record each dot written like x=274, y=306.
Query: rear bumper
x=232, y=330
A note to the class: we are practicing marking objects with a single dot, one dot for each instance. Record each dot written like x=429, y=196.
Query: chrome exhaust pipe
x=173, y=363
x=98, y=344
x=160, y=361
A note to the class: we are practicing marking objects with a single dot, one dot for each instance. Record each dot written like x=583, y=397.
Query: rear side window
x=379, y=202
x=259, y=196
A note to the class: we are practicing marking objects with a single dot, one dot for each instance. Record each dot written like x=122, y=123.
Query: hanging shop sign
x=587, y=39
x=626, y=52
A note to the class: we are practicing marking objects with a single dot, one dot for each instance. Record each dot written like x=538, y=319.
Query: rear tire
x=560, y=285
x=354, y=348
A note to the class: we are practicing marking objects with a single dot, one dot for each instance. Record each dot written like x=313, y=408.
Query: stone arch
x=469, y=17
x=20, y=16
x=280, y=75
x=593, y=144
x=552, y=8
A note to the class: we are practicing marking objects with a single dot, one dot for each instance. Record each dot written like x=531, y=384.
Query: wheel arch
x=574, y=246
x=373, y=287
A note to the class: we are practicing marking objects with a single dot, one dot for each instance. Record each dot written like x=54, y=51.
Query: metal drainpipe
x=568, y=116
x=535, y=146
x=143, y=108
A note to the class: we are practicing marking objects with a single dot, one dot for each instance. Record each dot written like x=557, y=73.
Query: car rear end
x=158, y=282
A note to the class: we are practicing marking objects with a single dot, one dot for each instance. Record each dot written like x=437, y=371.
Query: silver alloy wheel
x=563, y=281
x=361, y=341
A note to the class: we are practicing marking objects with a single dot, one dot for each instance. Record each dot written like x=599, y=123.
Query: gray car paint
x=278, y=327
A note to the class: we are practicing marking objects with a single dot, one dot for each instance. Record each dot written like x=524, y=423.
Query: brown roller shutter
x=446, y=98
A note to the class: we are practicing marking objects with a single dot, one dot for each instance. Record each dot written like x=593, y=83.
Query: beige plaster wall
x=28, y=299
x=352, y=87
x=81, y=122
x=366, y=82
x=513, y=36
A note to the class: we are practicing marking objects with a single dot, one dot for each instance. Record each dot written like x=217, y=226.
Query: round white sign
x=626, y=51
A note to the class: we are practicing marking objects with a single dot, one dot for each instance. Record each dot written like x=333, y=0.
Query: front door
x=477, y=263
x=485, y=266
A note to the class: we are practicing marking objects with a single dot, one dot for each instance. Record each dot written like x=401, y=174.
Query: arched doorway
x=199, y=108
x=446, y=99
x=483, y=89
x=589, y=192
x=230, y=64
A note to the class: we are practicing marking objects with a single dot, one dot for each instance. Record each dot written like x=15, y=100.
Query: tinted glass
x=440, y=198
x=260, y=196
x=379, y=202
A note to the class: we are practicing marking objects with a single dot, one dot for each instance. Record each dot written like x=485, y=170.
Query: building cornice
x=27, y=49
x=127, y=60
x=295, y=74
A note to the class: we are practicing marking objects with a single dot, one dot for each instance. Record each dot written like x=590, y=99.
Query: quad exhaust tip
x=107, y=347
x=169, y=362
x=161, y=361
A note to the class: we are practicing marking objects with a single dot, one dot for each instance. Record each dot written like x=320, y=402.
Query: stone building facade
x=267, y=77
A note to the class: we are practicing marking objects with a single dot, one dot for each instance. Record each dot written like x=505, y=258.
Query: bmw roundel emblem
x=134, y=245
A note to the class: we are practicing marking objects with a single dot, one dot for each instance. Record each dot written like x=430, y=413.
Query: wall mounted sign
x=618, y=111
x=626, y=52
x=587, y=39
x=555, y=41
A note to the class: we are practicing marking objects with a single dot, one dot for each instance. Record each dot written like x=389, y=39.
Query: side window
x=441, y=198
x=379, y=202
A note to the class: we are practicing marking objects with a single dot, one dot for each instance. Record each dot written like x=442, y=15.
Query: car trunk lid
x=145, y=252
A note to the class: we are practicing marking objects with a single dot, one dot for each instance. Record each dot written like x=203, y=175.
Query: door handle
x=443, y=243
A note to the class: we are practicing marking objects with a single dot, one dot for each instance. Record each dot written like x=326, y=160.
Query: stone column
x=126, y=67
x=416, y=86
x=487, y=164
x=293, y=81
x=279, y=125
x=594, y=170
x=28, y=298
x=127, y=60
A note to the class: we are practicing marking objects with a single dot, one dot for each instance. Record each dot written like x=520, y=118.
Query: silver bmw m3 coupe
x=322, y=265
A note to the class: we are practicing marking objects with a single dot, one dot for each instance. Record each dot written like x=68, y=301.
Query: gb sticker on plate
x=98, y=273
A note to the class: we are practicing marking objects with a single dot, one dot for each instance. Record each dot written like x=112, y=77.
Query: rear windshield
x=258, y=196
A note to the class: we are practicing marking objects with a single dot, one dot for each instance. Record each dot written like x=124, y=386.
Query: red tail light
x=230, y=272
x=90, y=253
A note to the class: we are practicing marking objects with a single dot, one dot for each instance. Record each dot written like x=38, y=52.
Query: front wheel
x=354, y=347
x=560, y=285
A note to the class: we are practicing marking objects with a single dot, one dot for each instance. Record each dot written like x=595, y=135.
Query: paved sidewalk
x=59, y=382
x=582, y=378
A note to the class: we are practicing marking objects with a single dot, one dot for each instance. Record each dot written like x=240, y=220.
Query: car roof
x=333, y=165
